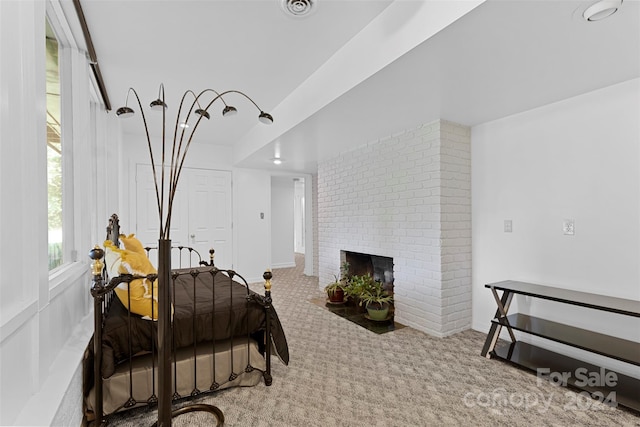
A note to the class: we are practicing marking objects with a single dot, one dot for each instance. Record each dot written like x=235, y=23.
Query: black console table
x=624, y=390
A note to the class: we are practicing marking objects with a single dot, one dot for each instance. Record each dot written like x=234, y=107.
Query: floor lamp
x=173, y=154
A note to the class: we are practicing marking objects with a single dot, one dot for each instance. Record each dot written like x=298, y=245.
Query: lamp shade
x=203, y=113
x=124, y=112
x=229, y=111
x=265, y=118
x=157, y=104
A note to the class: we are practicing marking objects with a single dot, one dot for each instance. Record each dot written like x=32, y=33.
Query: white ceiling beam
x=399, y=28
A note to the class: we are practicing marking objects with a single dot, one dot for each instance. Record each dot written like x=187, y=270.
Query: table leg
x=501, y=313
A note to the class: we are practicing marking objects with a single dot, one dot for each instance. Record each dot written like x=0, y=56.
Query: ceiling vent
x=298, y=8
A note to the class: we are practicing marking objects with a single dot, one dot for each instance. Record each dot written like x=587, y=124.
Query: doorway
x=291, y=216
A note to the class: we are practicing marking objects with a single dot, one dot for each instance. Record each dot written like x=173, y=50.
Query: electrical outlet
x=508, y=226
x=568, y=227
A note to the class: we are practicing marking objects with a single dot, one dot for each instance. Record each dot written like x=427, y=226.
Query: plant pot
x=378, y=312
x=336, y=296
x=358, y=307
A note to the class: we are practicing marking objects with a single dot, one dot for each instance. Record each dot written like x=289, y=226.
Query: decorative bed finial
x=97, y=265
x=267, y=280
x=113, y=230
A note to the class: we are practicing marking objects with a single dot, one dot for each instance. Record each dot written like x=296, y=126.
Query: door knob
x=193, y=236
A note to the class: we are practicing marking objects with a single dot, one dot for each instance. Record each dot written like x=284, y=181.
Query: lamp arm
x=188, y=144
x=179, y=155
x=218, y=96
x=243, y=94
x=146, y=129
x=175, y=155
x=180, y=159
x=214, y=91
x=176, y=164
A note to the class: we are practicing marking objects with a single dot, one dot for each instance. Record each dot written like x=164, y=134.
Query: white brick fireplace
x=407, y=197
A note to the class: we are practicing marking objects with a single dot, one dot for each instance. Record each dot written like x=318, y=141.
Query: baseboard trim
x=284, y=265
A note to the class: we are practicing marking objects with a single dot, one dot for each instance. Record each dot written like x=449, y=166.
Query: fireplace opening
x=378, y=267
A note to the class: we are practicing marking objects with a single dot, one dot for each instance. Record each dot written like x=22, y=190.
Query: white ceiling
x=356, y=70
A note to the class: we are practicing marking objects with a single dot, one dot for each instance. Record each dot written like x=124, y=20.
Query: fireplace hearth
x=381, y=269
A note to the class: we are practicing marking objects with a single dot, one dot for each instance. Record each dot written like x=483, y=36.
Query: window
x=54, y=151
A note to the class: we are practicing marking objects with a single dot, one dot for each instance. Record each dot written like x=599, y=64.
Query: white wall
x=44, y=318
x=576, y=159
x=282, y=222
x=312, y=252
x=251, y=231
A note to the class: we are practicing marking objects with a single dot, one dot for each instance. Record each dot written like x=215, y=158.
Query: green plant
x=333, y=287
x=359, y=285
x=339, y=282
x=375, y=295
x=344, y=271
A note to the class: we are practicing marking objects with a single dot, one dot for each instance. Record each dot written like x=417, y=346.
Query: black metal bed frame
x=102, y=290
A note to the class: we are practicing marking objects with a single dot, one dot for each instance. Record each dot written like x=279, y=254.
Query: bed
x=223, y=334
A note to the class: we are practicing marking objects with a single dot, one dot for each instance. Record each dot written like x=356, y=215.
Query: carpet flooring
x=341, y=374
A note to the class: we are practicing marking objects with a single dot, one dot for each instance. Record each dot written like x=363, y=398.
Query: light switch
x=261, y=215
x=508, y=226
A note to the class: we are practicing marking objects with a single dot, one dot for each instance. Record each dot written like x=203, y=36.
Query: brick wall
x=314, y=221
x=407, y=196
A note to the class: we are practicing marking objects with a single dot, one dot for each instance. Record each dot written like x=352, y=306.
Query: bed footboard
x=98, y=294
x=266, y=303
x=241, y=359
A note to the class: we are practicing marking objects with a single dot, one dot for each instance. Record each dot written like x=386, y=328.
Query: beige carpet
x=343, y=375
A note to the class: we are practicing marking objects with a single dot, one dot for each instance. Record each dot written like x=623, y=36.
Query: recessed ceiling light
x=601, y=10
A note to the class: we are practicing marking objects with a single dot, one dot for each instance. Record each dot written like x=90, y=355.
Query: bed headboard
x=113, y=234
x=113, y=230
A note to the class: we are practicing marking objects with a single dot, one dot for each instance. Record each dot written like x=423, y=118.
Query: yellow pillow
x=112, y=260
x=139, y=291
x=131, y=243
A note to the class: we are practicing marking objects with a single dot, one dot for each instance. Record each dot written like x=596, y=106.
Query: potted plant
x=377, y=301
x=359, y=285
x=335, y=290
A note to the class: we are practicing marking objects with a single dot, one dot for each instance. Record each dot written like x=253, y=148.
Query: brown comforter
x=221, y=309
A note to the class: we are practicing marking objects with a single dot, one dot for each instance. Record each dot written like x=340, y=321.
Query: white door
x=210, y=214
x=201, y=214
